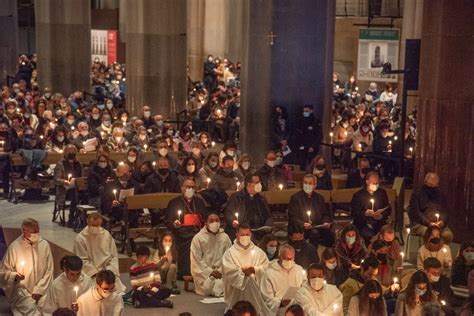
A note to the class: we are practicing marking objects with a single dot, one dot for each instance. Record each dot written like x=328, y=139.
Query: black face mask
x=297, y=244
x=429, y=190
x=435, y=240
x=71, y=156
x=320, y=167
x=382, y=257
x=163, y=172
x=365, y=171
x=372, y=300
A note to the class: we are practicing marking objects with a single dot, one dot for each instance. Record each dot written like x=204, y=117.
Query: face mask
x=331, y=266
x=190, y=168
x=420, y=292
x=365, y=170
x=71, y=156
x=170, y=132
x=27, y=115
x=434, y=278
x=107, y=123
x=94, y=230
x=258, y=187
x=297, y=244
x=70, y=122
x=60, y=139
x=307, y=188
x=104, y=294
x=246, y=165
x=34, y=237
x=271, y=163
x=435, y=240
x=320, y=167
x=214, y=227
x=102, y=165
x=159, y=123
x=196, y=151
x=84, y=133
x=345, y=125
x=189, y=193
x=230, y=153
x=124, y=119
x=469, y=256
x=147, y=114
x=100, y=106
x=372, y=300
x=350, y=240
x=373, y=187
x=163, y=151
x=382, y=257
x=287, y=264
x=271, y=250
x=212, y=164
x=110, y=105
x=365, y=129
x=95, y=116
x=306, y=114
x=131, y=159
x=316, y=283
x=244, y=241
x=163, y=172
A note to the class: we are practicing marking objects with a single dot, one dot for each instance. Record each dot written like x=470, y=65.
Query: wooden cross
x=271, y=36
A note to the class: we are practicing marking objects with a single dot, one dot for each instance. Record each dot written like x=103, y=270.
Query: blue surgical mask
x=271, y=251
x=306, y=114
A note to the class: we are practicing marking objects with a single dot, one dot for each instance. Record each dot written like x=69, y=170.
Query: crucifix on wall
x=271, y=36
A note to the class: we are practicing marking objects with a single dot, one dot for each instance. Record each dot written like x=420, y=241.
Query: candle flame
x=252, y=252
x=280, y=186
x=22, y=263
x=167, y=248
x=395, y=280
x=208, y=180
x=179, y=212
x=331, y=134
x=309, y=213
x=114, y=191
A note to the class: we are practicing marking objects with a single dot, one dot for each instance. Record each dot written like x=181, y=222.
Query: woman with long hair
x=369, y=301
x=417, y=294
x=270, y=244
x=350, y=248
x=333, y=271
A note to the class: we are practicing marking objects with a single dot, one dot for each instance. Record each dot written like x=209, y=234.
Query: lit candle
x=154, y=163
x=360, y=146
x=236, y=216
x=22, y=265
x=238, y=185
x=402, y=254
x=395, y=280
x=179, y=215
x=390, y=142
x=2, y=142
x=124, y=124
x=60, y=151
x=437, y=217
x=152, y=276
x=331, y=134
x=41, y=136
x=443, y=302
x=208, y=182
x=408, y=231
x=69, y=176
x=345, y=133
x=309, y=216
x=373, y=202
x=335, y=306
x=213, y=144
x=167, y=248
x=145, y=146
x=115, y=193
x=121, y=163
x=395, y=138
x=72, y=128
x=337, y=87
x=357, y=88
x=76, y=289
x=411, y=150
x=445, y=250
x=252, y=252
x=280, y=186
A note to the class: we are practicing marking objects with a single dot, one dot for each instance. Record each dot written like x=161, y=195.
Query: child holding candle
x=166, y=258
x=434, y=246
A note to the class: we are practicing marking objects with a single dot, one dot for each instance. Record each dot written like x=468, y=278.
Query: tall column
x=445, y=108
x=63, y=41
x=156, y=55
x=296, y=68
x=196, y=20
x=9, y=39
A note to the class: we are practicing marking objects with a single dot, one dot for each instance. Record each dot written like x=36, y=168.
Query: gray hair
x=30, y=222
x=284, y=248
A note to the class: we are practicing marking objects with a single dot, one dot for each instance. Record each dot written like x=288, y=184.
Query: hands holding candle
x=395, y=287
x=20, y=275
x=235, y=222
x=208, y=180
x=331, y=134
x=178, y=221
x=238, y=186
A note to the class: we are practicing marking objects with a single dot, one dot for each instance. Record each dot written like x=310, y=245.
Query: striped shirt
x=144, y=275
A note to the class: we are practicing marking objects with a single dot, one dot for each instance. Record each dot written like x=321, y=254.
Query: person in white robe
x=318, y=297
x=101, y=299
x=281, y=280
x=243, y=267
x=97, y=249
x=207, y=249
x=27, y=270
x=68, y=286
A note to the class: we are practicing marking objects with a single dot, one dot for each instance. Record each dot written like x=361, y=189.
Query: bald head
x=122, y=169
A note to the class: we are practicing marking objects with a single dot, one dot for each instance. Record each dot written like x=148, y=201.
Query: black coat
x=300, y=203
x=361, y=202
x=305, y=255
x=355, y=181
x=266, y=174
x=423, y=203
x=197, y=206
x=156, y=184
x=97, y=178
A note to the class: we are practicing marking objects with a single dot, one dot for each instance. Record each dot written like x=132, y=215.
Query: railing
x=369, y=8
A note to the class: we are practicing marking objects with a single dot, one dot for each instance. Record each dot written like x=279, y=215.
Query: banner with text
x=104, y=45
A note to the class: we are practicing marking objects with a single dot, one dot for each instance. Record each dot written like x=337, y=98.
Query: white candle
x=236, y=216
x=152, y=276
x=411, y=150
x=395, y=138
x=72, y=128
x=445, y=250
x=238, y=186
x=115, y=193
x=309, y=216
x=76, y=289
x=437, y=217
x=145, y=146
x=403, y=255
x=395, y=280
x=41, y=136
x=213, y=144
x=345, y=133
x=373, y=202
x=280, y=186
x=22, y=265
x=408, y=231
x=331, y=134
x=2, y=142
x=337, y=87
x=69, y=176
x=443, y=302
x=208, y=182
x=154, y=163
x=357, y=88
x=167, y=248
x=179, y=215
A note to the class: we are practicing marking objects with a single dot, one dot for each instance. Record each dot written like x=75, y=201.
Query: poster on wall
x=376, y=47
x=104, y=45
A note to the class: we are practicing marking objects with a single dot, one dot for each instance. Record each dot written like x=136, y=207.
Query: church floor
x=11, y=216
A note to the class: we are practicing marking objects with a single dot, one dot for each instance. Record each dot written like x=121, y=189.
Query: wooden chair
x=342, y=196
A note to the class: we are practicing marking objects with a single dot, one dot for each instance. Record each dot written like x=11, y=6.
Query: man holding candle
x=440, y=284
x=27, y=270
x=370, y=207
x=243, y=267
x=307, y=208
x=184, y=217
x=425, y=203
x=270, y=175
x=226, y=178
x=207, y=249
x=251, y=207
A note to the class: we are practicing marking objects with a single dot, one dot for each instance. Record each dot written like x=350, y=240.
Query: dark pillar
x=445, y=142
x=296, y=69
x=9, y=38
x=63, y=41
x=156, y=55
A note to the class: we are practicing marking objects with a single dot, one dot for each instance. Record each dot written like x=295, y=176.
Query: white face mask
x=60, y=139
x=307, y=188
x=132, y=159
x=190, y=168
x=95, y=116
x=84, y=133
x=214, y=227
x=163, y=152
x=94, y=230
x=316, y=283
x=102, y=164
x=271, y=163
x=331, y=266
x=103, y=293
x=350, y=240
x=373, y=187
x=246, y=165
x=287, y=264
x=189, y=193
x=434, y=278
x=147, y=114
x=230, y=153
x=469, y=256
x=70, y=122
x=244, y=241
x=258, y=187
x=34, y=237
x=212, y=164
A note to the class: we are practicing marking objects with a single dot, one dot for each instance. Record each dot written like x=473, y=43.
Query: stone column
x=156, y=55
x=9, y=38
x=63, y=41
x=445, y=108
x=196, y=20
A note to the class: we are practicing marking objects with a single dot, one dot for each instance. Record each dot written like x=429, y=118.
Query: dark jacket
x=226, y=181
x=461, y=270
x=443, y=290
x=305, y=253
x=155, y=183
x=271, y=178
x=97, y=178
x=308, y=133
x=347, y=256
x=424, y=203
x=300, y=203
x=355, y=181
x=361, y=202
x=197, y=206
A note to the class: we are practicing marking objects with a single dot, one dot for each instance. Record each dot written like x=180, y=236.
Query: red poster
x=111, y=47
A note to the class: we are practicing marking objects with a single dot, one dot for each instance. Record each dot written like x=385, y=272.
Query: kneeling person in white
x=207, y=249
x=243, y=266
x=101, y=299
x=281, y=280
x=27, y=270
x=317, y=297
x=97, y=249
x=68, y=286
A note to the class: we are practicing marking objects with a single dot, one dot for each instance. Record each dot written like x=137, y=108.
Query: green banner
x=379, y=34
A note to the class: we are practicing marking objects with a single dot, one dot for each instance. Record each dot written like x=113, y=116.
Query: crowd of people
x=219, y=225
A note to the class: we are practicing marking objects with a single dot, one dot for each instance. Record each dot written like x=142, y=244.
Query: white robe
x=90, y=303
x=61, y=293
x=326, y=302
x=277, y=281
x=239, y=287
x=38, y=272
x=207, y=250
